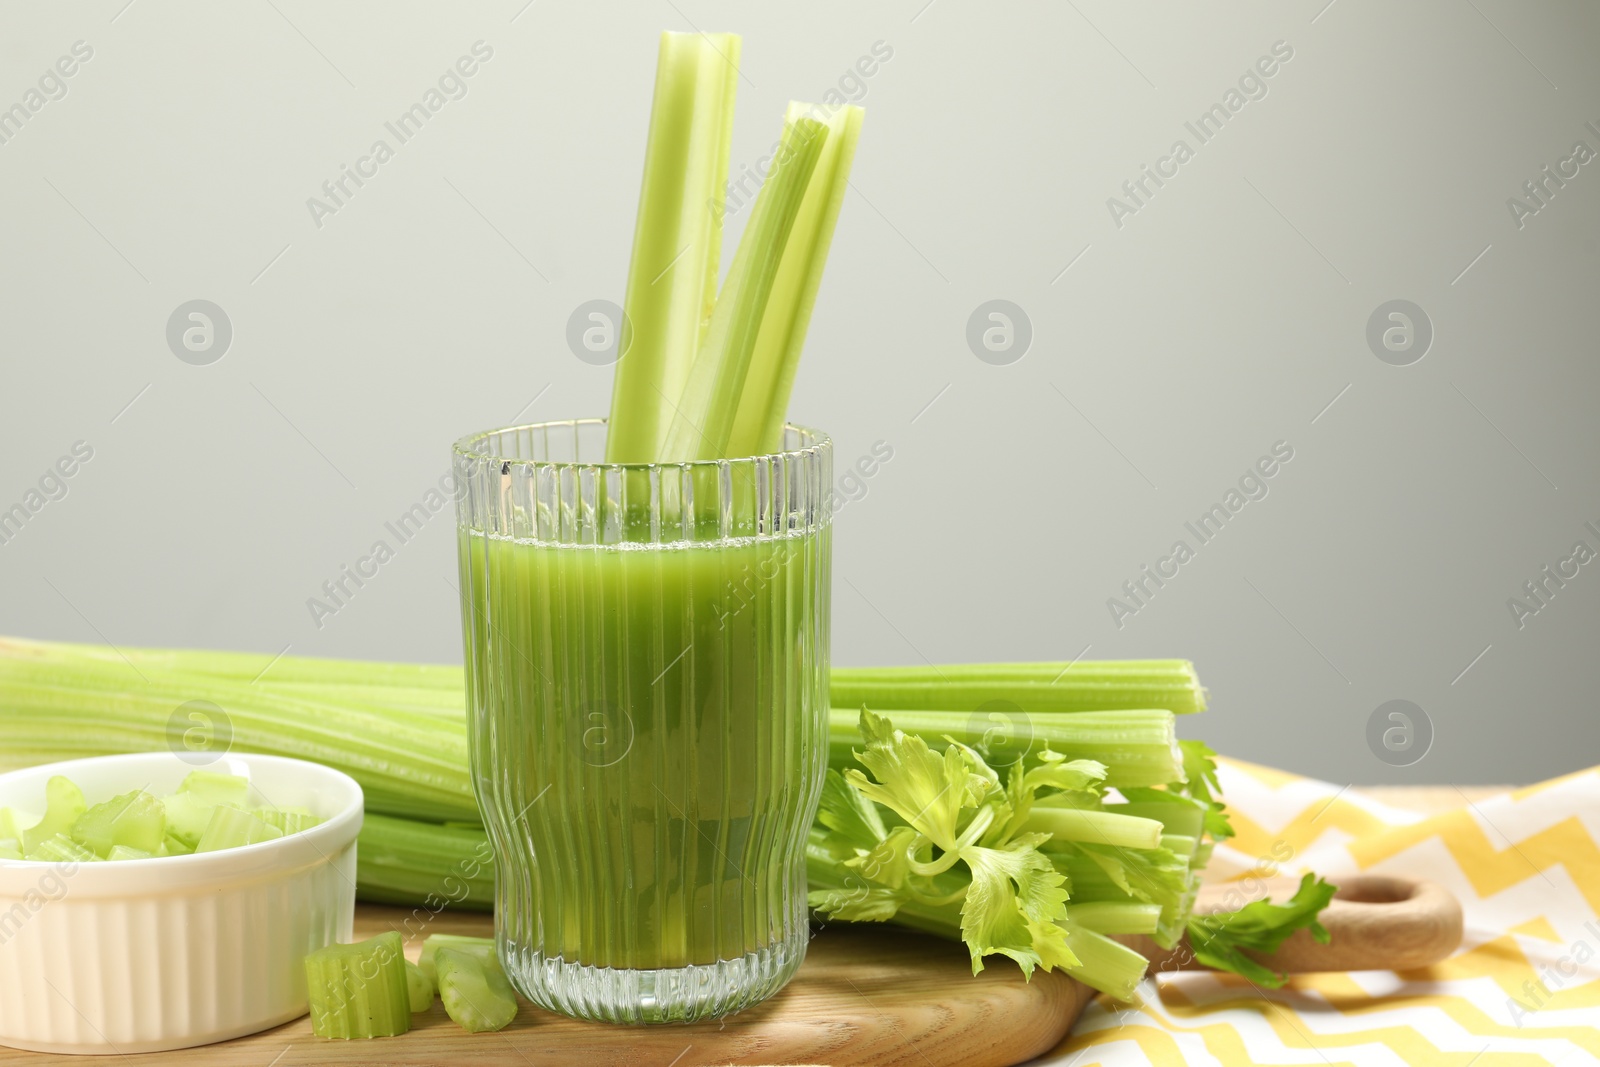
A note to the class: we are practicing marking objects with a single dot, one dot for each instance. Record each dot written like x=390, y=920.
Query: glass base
x=668, y=995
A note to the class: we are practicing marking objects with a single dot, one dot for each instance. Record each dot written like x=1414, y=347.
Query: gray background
x=1227, y=314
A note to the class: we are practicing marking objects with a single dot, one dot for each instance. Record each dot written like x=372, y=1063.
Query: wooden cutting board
x=865, y=995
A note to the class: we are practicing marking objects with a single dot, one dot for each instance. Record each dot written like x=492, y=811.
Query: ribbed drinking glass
x=647, y=672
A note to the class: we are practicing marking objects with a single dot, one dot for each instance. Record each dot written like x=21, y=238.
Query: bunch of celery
x=707, y=374
x=1095, y=787
x=1042, y=864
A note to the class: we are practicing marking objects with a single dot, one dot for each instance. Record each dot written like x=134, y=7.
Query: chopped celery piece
x=359, y=990
x=232, y=828
x=63, y=804
x=134, y=819
x=758, y=423
x=290, y=821
x=188, y=815
x=419, y=988
x=10, y=848
x=677, y=240
x=173, y=847
x=477, y=996
x=213, y=788
x=703, y=415
x=14, y=822
x=481, y=947
x=61, y=849
x=123, y=852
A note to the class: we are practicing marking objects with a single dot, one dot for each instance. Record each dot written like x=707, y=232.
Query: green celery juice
x=649, y=731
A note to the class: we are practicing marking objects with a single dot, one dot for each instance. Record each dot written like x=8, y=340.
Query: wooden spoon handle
x=1376, y=922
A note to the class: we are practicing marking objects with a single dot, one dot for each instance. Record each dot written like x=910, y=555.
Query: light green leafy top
x=955, y=842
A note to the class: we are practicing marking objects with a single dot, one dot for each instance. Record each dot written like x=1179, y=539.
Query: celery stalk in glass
x=758, y=425
x=672, y=277
x=703, y=417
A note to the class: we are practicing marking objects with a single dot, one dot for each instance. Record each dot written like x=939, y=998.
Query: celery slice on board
x=758, y=425
x=677, y=241
x=232, y=828
x=476, y=996
x=63, y=804
x=481, y=947
x=419, y=988
x=702, y=422
x=136, y=820
x=359, y=990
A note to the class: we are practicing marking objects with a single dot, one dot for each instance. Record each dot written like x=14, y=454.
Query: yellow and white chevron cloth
x=1524, y=989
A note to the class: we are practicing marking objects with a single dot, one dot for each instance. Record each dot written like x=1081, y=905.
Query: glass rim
x=466, y=447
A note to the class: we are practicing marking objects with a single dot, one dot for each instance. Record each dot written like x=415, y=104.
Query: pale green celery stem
x=1179, y=845
x=402, y=861
x=237, y=666
x=1109, y=966
x=1185, y=819
x=758, y=423
x=702, y=423
x=677, y=241
x=1115, y=916
x=1095, y=827
x=1139, y=747
x=408, y=763
x=1086, y=685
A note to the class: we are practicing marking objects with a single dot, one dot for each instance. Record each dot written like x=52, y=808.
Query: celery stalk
x=1138, y=747
x=1115, y=917
x=402, y=861
x=1096, y=827
x=758, y=423
x=703, y=417
x=672, y=278
x=1086, y=685
x=235, y=666
x=66, y=704
x=1109, y=966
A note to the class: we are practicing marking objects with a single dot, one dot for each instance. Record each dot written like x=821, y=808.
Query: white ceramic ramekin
x=148, y=955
